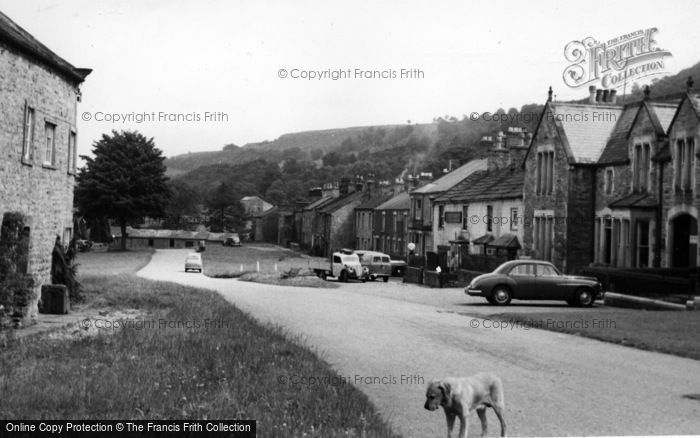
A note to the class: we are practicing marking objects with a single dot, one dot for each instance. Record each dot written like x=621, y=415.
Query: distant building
x=391, y=226
x=39, y=92
x=365, y=230
x=254, y=205
x=166, y=239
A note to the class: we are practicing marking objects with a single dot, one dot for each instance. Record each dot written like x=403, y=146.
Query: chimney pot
x=613, y=96
x=591, y=94
x=598, y=95
x=606, y=95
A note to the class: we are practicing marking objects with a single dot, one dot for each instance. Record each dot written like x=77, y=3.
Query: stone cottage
x=39, y=92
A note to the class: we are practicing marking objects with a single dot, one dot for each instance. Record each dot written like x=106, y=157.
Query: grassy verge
x=662, y=331
x=262, y=263
x=192, y=356
x=112, y=262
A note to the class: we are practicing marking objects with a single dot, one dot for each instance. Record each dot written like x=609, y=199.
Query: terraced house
x=39, y=92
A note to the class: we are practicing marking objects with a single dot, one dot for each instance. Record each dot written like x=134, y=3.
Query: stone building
x=560, y=177
x=627, y=227
x=39, y=92
x=391, y=226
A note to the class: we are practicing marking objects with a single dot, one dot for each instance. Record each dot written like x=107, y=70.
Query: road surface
x=555, y=384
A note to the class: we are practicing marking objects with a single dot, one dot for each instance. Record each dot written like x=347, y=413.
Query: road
x=555, y=384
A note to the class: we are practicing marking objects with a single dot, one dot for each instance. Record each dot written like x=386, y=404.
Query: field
x=185, y=353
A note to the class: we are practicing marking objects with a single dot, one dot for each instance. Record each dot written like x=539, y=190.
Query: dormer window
x=642, y=167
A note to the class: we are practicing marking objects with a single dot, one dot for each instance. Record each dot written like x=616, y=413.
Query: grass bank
x=190, y=355
x=662, y=331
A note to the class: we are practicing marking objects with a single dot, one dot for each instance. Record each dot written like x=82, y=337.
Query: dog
x=458, y=396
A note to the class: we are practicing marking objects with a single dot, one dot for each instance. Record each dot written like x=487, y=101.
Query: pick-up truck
x=343, y=265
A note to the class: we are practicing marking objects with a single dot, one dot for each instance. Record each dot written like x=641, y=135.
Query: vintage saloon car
x=533, y=280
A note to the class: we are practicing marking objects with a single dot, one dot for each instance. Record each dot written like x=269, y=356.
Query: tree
x=184, y=201
x=225, y=208
x=124, y=181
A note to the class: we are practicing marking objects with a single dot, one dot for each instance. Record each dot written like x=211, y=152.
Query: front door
x=685, y=235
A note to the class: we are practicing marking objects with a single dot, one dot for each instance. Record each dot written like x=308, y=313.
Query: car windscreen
x=350, y=259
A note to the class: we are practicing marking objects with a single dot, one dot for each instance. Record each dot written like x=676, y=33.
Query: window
x=50, y=145
x=150, y=242
x=514, y=219
x=545, y=173
x=27, y=147
x=336, y=259
x=641, y=168
x=72, y=158
x=383, y=224
x=684, y=163
x=607, y=240
x=465, y=217
x=394, y=222
x=642, y=259
x=524, y=269
x=543, y=231
x=441, y=216
x=67, y=236
x=405, y=222
x=453, y=217
x=546, y=271
x=418, y=212
x=489, y=218
x=608, y=181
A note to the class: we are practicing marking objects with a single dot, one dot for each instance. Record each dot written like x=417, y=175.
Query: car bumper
x=193, y=267
x=474, y=292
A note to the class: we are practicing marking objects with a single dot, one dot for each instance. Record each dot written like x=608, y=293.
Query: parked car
x=83, y=245
x=398, y=267
x=533, y=280
x=201, y=246
x=377, y=264
x=193, y=262
x=234, y=240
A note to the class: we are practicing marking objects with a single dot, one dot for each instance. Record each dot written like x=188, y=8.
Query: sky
x=197, y=75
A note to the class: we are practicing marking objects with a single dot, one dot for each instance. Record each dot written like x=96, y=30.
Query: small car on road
x=193, y=262
x=533, y=280
x=377, y=264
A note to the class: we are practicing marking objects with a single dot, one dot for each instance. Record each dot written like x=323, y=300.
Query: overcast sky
x=192, y=57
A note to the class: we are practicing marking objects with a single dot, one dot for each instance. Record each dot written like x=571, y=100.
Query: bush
x=64, y=269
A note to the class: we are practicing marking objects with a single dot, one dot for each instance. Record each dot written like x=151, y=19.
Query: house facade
x=391, y=220
x=560, y=179
x=39, y=92
x=679, y=176
x=421, y=223
x=627, y=223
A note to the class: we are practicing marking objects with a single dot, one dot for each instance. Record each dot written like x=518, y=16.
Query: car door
x=549, y=283
x=525, y=281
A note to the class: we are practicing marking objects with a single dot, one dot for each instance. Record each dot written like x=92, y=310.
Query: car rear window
x=385, y=259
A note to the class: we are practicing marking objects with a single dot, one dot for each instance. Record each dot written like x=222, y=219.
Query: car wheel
x=344, y=276
x=322, y=275
x=584, y=297
x=501, y=295
x=490, y=300
x=386, y=279
x=571, y=302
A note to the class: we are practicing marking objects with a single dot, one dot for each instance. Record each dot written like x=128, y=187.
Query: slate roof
x=340, y=202
x=402, y=201
x=486, y=238
x=372, y=203
x=507, y=240
x=318, y=203
x=635, y=200
x=584, y=128
x=23, y=41
x=451, y=179
x=616, y=148
x=486, y=186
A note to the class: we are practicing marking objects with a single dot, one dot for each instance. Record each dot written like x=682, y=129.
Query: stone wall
x=43, y=193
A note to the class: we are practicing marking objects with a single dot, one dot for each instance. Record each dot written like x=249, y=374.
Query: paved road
x=555, y=384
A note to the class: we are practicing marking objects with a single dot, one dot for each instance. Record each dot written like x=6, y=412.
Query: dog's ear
x=446, y=391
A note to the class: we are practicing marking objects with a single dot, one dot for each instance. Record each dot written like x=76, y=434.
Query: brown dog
x=458, y=396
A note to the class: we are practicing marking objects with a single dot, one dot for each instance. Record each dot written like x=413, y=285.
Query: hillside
x=307, y=145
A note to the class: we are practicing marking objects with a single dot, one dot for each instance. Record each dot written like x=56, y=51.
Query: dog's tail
x=497, y=392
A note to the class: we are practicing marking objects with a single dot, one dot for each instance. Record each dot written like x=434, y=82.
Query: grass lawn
x=663, y=331
x=243, y=262
x=103, y=262
x=190, y=355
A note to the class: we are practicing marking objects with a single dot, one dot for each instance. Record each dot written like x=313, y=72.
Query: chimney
x=385, y=188
x=613, y=96
x=330, y=189
x=606, y=96
x=411, y=183
x=344, y=186
x=315, y=192
x=398, y=186
x=515, y=137
x=486, y=142
x=591, y=96
x=598, y=95
x=499, y=140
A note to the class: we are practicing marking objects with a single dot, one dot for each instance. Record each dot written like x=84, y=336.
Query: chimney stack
x=598, y=95
x=398, y=186
x=499, y=140
x=613, y=96
x=606, y=96
x=591, y=96
x=486, y=142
